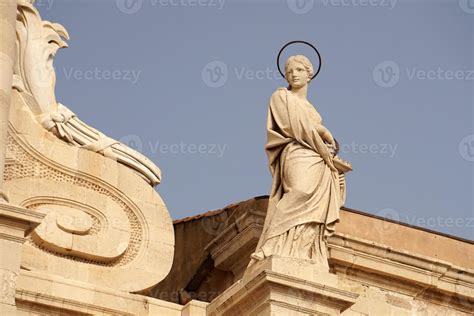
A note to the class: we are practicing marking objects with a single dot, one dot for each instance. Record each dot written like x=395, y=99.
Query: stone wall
x=393, y=268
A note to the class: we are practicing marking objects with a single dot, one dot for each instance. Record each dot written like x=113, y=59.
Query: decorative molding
x=9, y=237
x=422, y=277
x=20, y=214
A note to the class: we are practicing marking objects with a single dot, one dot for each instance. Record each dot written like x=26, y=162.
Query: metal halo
x=302, y=42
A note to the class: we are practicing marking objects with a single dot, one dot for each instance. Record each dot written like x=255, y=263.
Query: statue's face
x=296, y=75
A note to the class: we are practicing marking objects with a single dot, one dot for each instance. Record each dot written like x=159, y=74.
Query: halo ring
x=301, y=42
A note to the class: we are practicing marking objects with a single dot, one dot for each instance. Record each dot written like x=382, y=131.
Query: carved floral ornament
x=104, y=223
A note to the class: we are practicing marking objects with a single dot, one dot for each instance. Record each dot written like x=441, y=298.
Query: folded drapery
x=306, y=193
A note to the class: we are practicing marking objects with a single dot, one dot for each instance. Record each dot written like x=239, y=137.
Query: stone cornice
x=421, y=276
x=69, y=296
x=361, y=259
x=20, y=214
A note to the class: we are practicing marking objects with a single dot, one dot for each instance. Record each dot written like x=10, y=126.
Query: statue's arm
x=286, y=121
x=324, y=133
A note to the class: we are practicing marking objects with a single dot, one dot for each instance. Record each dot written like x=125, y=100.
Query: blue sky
x=187, y=82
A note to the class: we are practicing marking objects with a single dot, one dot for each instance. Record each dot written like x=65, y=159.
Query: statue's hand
x=328, y=160
x=332, y=149
x=323, y=150
x=323, y=145
x=327, y=136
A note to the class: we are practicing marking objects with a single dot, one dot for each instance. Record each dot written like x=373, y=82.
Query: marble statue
x=308, y=186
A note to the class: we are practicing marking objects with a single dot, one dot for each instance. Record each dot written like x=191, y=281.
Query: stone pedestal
x=15, y=224
x=283, y=286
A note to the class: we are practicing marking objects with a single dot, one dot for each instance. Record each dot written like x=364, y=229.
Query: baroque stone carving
x=37, y=43
x=308, y=178
x=104, y=223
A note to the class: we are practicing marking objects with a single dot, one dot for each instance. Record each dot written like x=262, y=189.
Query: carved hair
x=302, y=60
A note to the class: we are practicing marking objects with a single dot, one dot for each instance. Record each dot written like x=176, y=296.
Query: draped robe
x=305, y=198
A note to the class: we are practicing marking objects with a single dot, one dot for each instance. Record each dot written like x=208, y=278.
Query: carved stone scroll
x=104, y=224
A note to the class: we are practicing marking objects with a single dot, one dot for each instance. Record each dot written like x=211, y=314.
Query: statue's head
x=298, y=71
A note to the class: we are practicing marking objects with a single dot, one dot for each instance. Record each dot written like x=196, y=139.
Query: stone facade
x=400, y=276
x=83, y=232
x=392, y=268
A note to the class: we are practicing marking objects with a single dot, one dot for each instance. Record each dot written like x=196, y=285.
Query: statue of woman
x=306, y=193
